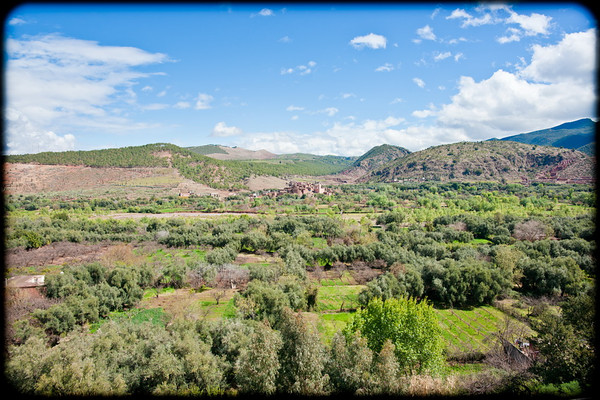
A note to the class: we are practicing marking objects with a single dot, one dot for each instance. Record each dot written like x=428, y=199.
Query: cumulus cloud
x=556, y=86
x=222, y=130
x=371, y=40
x=57, y=83
x=353, y=139
x=22, y=136
x=573, y=59
x=426, y=33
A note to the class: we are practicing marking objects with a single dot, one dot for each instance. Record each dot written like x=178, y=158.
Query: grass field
x=331, y=298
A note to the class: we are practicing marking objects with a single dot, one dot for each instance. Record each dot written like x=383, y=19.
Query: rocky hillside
x=488, y=161
x=374, y=159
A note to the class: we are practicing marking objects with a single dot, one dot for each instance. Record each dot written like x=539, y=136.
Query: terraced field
x=474, y=330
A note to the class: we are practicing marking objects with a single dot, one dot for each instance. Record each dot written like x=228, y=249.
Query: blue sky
x=316, y=78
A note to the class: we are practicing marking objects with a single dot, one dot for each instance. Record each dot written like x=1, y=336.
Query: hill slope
x=579, y=135
x=374, y=159
x=489, y=161
x=218, y=174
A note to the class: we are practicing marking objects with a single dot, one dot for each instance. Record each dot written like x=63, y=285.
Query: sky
x=313, y=78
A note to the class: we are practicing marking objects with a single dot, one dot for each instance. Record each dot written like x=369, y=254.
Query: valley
x=157, y=253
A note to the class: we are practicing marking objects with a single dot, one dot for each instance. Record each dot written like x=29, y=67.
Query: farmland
x=495, y=261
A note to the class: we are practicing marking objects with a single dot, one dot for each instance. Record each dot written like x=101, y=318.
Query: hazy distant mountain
x=579, y=135
x=231, y=153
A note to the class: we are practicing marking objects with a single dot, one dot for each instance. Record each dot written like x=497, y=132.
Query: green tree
x=302, y=357
x=257, y=367
x=565, y=354
x=410, y=325
x=350, y=363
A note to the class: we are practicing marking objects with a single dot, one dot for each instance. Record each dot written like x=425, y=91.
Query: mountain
x=374, y=159
x=488, y=161
x=493, y=160
x=579, y=135
x=231, y=153
x=218, y=174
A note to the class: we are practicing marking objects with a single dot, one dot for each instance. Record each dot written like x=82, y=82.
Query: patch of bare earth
x=187, y=303
x=35, y=178
x=255, y=183
x=59, y=253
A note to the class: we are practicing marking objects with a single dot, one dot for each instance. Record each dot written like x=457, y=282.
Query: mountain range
x=560, y=154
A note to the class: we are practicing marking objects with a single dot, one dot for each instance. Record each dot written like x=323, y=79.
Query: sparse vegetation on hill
x=375, y=159
x=487, y=161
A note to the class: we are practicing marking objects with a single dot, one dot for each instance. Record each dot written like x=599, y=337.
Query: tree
x=301, y=356
x=565, y=354
x=411, y=326
x=349, y=364
x=531, y=230
x=257, y=367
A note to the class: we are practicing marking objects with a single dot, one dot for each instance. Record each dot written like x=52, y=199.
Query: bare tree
x=339, y=268
x=361, y=272
x=231, y=276
x=531, y=230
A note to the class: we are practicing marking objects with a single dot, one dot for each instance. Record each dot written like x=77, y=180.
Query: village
x=292, y=187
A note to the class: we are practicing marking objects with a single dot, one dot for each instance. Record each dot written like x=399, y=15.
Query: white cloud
x=155, y=106
x=490, y=13
x=222, y=130
x=203, y=101
x=16, y=21
x=353, y=139
x=534, y=24
x=300, y=69
x=181, y=105
x=294, y=108
x=330, y=111
x=513, y=35
x=573, y=59
x=426, y=33
x=419, y=82
x=22, y=136
x=557, y=86
x=62, y=84
x=469, y=20
x=371, y=40
x=265, y=12
x=387, y=67
x=430, y=112
x=285, y=39
x=442, y=56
